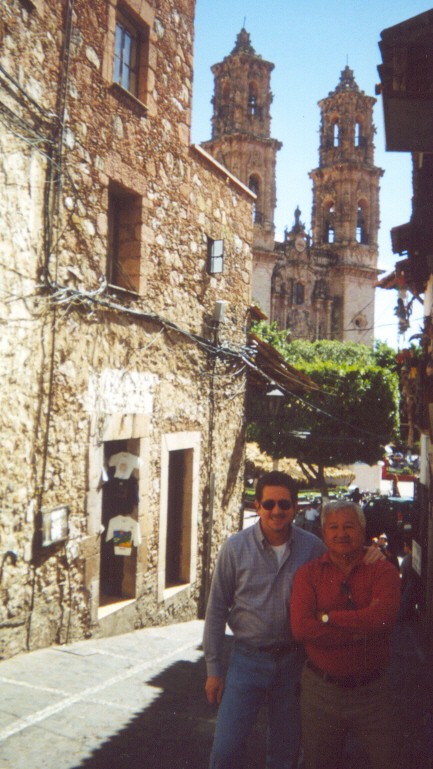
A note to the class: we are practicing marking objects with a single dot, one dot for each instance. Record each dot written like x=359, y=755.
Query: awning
x=406, y=84
x=267, y=368
x=399, y=278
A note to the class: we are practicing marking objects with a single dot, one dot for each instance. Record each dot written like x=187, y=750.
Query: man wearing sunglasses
x=250, y=592
x=343, y=610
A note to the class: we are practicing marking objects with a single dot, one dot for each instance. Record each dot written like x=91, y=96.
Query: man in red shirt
x=343, y=611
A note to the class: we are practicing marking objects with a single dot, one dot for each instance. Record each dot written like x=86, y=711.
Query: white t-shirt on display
x=124, y=462
x=125, y=532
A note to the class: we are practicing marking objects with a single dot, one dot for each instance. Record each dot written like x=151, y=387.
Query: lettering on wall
x=116, y=391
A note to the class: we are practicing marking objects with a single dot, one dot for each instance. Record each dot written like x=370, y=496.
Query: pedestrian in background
x=343, y=611
x=312, y=518
x=408, y=584
x=384, y=546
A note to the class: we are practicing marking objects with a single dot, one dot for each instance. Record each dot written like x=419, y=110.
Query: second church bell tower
x=326, y=289
x=345, y=216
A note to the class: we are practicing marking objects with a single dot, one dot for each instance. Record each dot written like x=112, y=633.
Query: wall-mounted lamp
x=274, y=399
x=219, y=311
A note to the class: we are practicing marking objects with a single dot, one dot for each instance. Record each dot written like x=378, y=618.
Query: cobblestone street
x=136, y=702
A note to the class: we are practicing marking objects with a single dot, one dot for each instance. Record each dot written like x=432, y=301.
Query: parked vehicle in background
x=394, y=516
x=405, y=510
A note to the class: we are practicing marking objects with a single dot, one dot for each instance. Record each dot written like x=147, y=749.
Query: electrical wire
x=65, y=296
x=33, y=102
x=339, y=420
x=208, y=346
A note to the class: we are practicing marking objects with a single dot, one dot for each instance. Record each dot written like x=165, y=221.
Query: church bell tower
x=241, y=141
x=345, y=216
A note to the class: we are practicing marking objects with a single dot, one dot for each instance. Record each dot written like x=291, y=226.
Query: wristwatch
x=325, y=618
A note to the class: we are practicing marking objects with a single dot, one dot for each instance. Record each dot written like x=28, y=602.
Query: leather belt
x=275, y=650
x=348, y=682
x=278, y=649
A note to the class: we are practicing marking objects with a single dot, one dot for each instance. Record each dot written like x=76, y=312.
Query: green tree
x=351, y=419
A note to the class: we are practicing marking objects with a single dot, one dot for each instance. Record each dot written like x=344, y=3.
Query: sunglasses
x=345, y=589
x=283, y=504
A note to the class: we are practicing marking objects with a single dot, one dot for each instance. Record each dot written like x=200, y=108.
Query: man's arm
x=304, y=611
x=346, y=624
x=373, y=554
x=219, y=603
x=214, y=688
x=382, y=611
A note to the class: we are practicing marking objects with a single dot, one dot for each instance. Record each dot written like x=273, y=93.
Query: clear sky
x=310, y=42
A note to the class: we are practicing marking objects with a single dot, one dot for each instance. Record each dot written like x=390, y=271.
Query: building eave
x=224, y=171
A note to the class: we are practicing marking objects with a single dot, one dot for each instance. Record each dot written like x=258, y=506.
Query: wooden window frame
x=215, y=256
x=124, y=252
x=188, y=442
x=126, y=62
x=135, y=17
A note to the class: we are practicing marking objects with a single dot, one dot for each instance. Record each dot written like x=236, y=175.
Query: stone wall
x=83, y=364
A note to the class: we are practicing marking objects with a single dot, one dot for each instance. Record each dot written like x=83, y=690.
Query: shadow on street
x=176, y=730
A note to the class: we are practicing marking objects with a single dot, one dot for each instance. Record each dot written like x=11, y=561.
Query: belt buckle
x=278, y=649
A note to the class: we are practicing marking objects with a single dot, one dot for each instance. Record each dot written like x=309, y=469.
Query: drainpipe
x=209, y=536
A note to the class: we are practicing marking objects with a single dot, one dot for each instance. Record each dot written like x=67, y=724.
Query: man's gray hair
x=342, y=504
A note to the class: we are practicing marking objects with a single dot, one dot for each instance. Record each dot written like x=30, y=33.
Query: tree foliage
x=353, y=417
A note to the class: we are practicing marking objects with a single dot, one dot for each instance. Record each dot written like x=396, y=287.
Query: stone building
x=126, y=282
x=406, y=88
x=318, y=285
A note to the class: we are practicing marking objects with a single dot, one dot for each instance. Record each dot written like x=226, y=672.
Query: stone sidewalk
x=128, y=701
x=137, y=702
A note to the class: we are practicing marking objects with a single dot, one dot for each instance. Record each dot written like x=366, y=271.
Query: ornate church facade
x=318, y=283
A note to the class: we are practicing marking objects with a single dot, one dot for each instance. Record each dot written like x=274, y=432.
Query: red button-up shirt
x=355, y=642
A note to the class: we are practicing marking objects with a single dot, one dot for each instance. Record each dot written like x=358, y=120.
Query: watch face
x=300, y=244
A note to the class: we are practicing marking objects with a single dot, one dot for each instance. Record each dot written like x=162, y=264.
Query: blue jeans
x=253, y=679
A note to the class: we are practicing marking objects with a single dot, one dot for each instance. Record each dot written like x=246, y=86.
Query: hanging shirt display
x=124, y=462
x=119, y=497
x=125, y=532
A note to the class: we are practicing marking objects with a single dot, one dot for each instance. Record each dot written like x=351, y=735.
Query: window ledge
x=172, y=592
x=110, y=608
x=128, y=99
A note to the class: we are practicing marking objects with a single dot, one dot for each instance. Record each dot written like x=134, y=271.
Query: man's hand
x=214, y=689
x=373, y=554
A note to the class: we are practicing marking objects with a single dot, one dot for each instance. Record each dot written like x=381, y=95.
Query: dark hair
x=276, y=478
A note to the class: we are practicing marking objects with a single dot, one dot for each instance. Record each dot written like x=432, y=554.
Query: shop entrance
x=121, y=535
